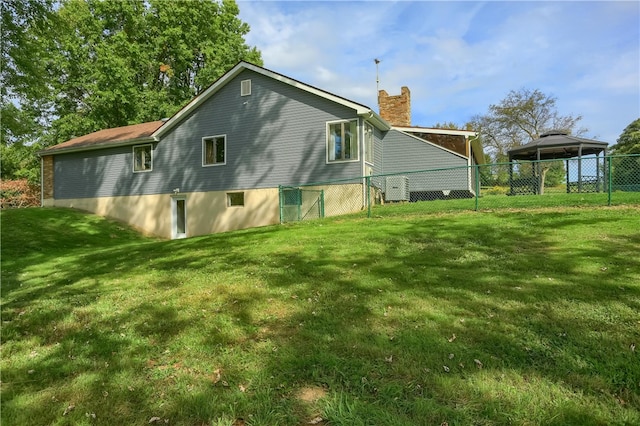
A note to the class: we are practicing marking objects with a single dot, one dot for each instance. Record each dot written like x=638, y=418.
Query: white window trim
x=246, y=83
x=326, y=142
x=133, y=165
x=204, y=150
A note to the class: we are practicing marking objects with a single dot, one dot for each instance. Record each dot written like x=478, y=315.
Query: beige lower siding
x=206, y=212
x=341, y=199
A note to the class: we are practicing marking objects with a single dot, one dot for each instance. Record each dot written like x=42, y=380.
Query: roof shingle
x=118, y=134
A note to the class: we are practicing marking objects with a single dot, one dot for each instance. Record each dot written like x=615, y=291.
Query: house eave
x=468, y=133
x=375, y=119
x=97, y=146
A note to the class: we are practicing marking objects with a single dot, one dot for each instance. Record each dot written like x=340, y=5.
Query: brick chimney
x=396, y=109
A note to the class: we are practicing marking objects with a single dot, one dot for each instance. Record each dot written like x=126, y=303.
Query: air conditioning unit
x=397, y=188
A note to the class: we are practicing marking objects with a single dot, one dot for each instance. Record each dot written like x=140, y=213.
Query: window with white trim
x=342, y=141
x=142, y=158
x=368, y=143
x=245, y=87
x=214, y=150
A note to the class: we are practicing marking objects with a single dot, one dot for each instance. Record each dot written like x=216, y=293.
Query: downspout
x=472, y=188
x=362, y=165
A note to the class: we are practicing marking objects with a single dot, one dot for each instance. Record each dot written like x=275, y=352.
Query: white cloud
x=458, y=57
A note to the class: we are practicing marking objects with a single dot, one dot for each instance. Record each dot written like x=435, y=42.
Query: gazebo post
x=540, y=189
x=566, y=162
x=580, y=168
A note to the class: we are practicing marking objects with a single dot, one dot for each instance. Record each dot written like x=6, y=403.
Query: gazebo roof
x=556, y=144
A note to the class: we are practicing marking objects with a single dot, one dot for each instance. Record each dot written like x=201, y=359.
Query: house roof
x=126, y=135
x=556, y=144
x=361, y=110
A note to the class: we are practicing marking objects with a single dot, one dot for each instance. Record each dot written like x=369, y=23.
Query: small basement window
x=245, y=87
x=235, y=199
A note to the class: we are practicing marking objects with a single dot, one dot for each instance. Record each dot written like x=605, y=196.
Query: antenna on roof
x=377, y=61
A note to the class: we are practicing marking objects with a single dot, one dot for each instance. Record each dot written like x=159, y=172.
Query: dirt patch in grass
x=311, y=394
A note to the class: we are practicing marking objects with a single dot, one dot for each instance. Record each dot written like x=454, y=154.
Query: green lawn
x=505, y=317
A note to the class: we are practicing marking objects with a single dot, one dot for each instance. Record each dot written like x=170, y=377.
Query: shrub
x=18, y=193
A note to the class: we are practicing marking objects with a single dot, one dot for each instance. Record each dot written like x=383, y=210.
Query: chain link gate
x=297, y=204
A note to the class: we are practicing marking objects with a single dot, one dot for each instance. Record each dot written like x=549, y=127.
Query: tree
x=124, y=62
x=626, y=170
x=629, y=140
x=90, y=64
x=521, y=117
x=22, y=57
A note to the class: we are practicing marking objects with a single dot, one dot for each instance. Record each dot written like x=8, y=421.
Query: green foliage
x=629, y=140
x=532, y=312
x=119, y=63
x=626, y=169
x=521, y=117
x=86, y=65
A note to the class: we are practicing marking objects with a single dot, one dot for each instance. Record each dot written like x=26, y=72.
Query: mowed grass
x=520, y=317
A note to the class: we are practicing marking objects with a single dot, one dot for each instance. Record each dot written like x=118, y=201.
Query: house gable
x=361, y=110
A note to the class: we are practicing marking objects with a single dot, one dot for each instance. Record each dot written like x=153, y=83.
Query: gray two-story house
x=217, y=164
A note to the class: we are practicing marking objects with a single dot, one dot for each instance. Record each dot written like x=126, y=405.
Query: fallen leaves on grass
x=216, y=376
x=69, y=409
x=478, y=363
x=452, y=338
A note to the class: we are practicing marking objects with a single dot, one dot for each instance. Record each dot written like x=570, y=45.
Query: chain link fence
x=312, y=201
x=587, y=181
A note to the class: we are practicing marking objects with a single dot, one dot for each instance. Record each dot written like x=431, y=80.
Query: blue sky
x=457, y=58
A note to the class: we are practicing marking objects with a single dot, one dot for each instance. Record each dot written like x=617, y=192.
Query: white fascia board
x=149, y=139
x=436, y=131
x=431, y=143
x=361, y=110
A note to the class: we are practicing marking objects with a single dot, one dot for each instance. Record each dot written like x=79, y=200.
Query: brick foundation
x=47, y=176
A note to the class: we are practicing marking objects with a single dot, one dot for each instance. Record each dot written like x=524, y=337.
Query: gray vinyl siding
x=97, y=173
x=403, y=153
x=275, y=136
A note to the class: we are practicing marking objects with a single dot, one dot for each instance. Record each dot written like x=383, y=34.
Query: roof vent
x=554, y=133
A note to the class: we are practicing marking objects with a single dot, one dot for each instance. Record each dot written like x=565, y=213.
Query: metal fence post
x=368, y=180
x=609, y=183
x=477, y=173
